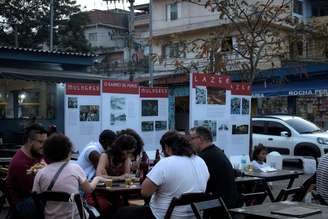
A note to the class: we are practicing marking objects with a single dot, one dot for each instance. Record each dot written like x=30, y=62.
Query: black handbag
x=33, y=206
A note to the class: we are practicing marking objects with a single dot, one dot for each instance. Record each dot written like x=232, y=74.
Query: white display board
x=82, y=113
x=210, y=106
x=120, y=105
x=240, y=119
x=154, y=112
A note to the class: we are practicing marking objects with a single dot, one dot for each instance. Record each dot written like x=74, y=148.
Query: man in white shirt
x=181, y=171
x=90, y=155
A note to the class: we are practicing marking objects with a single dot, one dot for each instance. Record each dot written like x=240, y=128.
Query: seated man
x=181, y=171
x=222, y=179
x=89, y=157
x=19, y=180
x=322, y=178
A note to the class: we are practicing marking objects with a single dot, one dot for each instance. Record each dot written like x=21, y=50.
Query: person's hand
x=103, y=179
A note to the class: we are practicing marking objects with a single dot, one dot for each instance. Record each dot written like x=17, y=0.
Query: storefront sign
x=154, y=92
x=320, y=92
x=211, y=80
x=91, y=89
x=308, y=92
x=240, y=89
x=127, y=87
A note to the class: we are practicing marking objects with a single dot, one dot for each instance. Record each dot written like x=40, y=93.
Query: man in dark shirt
x=222, y=179
x=19, y=183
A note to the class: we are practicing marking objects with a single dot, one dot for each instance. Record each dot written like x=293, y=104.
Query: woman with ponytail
x=181, y=171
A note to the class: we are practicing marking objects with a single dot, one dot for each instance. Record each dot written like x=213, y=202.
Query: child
x=259, y=157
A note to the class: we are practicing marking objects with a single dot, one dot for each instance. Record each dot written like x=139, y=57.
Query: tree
x=248, y=37
x=26, y=23
x=71, y=36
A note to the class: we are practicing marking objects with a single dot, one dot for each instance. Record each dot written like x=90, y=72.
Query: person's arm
x=102, y=165
x=94, y=158
x=90, y=186
x=155, y=178
x=127, y=166
x=148, y=188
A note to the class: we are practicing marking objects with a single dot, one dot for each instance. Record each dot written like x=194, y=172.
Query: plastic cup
x=128, y=181
x=109, y=183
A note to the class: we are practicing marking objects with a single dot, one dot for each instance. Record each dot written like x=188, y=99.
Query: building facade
x=108, y=35
x=300, y=67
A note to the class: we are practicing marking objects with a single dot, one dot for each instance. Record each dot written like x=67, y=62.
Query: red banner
x=122, y=87
x=211, y=80
x=241, y=89
x=159, y=92
x=86, y=89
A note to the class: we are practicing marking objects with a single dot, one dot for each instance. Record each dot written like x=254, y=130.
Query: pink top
x=68, y=181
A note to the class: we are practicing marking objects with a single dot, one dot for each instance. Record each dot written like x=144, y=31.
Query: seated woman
x=114, y=164
x=259, y=157
x=136, y=158
x=57, y=150
x=181, y=171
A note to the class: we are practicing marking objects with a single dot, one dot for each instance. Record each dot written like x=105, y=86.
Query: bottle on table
x=144, y=166
x=157, y=157
x=243, y=162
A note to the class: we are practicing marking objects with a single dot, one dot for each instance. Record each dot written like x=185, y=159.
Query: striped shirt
x=322, y=177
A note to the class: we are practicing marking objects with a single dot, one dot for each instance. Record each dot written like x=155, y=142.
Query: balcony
x=141, y=20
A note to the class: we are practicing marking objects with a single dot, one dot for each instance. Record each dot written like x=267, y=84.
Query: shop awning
x=301, y=88
x=49, y=75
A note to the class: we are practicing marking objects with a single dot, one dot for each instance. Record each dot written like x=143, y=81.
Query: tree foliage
x=27, y=24
x=255, y=27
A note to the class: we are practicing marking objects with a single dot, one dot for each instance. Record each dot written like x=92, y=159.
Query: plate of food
x=35, y=168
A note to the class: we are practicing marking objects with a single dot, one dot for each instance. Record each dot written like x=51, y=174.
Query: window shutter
x=168, y=12
x=163, y=51
x=179, y=5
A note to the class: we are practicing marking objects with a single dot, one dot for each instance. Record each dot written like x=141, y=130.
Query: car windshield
x=303, y=126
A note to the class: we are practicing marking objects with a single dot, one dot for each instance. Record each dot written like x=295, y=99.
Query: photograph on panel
x=72, y=102
x=216, y=96
x=147, y=126
x=201, y=95
x=89, y=113
x=149, y=107
x=235, y=105
x=160, y=125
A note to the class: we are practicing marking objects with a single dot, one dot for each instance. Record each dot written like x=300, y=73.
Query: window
x=92, y=36
x=174, y=50
x=302, y=125
x=299, y=45
x=298, y=7
x=173, y=11
x=227, y=44
x=275, y=128
x=258, y=127
x=27, y=99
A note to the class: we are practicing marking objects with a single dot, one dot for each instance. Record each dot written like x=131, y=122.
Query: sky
x=100, y=4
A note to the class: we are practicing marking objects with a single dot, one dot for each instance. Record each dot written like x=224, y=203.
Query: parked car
x=289, y=135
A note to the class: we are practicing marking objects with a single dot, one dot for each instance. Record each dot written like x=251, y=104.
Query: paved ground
x=276, y=187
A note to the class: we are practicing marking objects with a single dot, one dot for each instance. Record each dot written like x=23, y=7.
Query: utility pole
x=131, y=32
x=51, y=40
x=150, y=55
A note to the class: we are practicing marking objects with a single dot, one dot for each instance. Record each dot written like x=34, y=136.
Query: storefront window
x=27, y=99
x=272, y=105
x=313, y=108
